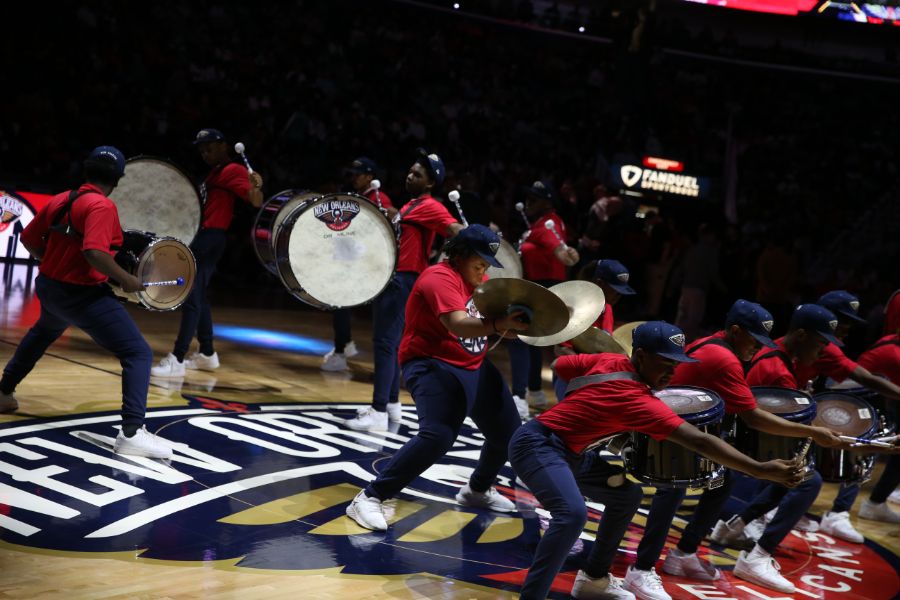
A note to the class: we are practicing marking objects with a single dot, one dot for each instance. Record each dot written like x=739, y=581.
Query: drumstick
x=521, y=208
x=179, y=281
x=453, y=196
x=549, y=224
x=376, y=185
x=239, y=148
x=865, y=442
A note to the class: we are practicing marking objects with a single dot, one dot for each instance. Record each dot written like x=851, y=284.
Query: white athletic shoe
x=894, y=497
x=168, y=367
x=142, y=443
x=537, y=399
x=602, y=588
x=877, y=512
x=394, y=412
x=368, y=512
x=689, y=565
x=8, y=402
x=760, y=568
x=334, y=362
x=368, y=419
x=491, y=499
x=838, y=525
x=645, y=585
x=522, y=407
x=350, y=350
x=731, y=533
x=806, y=524
x=755, y=528
x=201, y=362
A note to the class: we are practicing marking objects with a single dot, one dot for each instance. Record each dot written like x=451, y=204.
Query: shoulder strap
x=580, y=382
x=713, y=341
x=775, y=353
x=63, y=212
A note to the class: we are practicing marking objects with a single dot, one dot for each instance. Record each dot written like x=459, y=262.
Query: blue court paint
x=274, y=340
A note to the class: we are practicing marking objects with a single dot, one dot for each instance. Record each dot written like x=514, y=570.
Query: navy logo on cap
x=767, y=325
x=336, y=214
x=677, y=339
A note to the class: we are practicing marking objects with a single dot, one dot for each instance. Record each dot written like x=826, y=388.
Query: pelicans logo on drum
x=336, y=214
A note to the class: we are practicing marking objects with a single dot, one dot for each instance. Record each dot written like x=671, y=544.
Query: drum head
x=156, y=196
x=792, y=405
x=268, y=221
x=341, y=251
x=509, y=258
x=695, y=405
x=166, y=259
x=846, y=414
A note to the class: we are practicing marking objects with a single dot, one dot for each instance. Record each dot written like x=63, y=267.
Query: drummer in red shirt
x=226, y=182
x=74, y=236
x=420, y=220
x=608, y=394
x=443, y=357
x=544, y=261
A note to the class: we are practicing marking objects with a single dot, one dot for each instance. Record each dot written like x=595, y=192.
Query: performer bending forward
x=442, y=357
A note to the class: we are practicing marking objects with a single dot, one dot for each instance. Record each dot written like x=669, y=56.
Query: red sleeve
x=834, y=363
x=651, y=416
x=732, y=386
x=570, y=366
x=432, y=215
x=386, y=201
x=441, y=292
x=235, y=179
x=100, y=227
x=33, y=235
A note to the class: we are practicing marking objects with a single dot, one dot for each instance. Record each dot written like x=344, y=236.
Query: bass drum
x=792, y=405
x=667, y=464
x=268, y=223
x=335, y=251
x=157, y=197
x=151, y=258
x=848, y=415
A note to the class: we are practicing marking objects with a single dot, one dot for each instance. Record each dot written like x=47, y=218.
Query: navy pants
x=845, y=498
x=792, y=505
x=662, y=512
x=387, y=328
x=444, y=396
x=196, y=317
x=526, y=361
x=341, y=320
x=560, y=480
x=94, y=310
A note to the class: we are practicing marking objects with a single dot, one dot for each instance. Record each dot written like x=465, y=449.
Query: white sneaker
x=491, y=499
x=8, y=402
x=838, y=525
x=334, y=362
x=762, y=570
x=142, y=443
x=168, y=367
x=755, y=528
x=689, y=565
x=368, y=419
x=368, y=512
x=806, y=524
x=394, y=412
x=537, y=399
x=731, y=533
x=645, y=585
x=894, y=497
x=201, y=362
x=877, y=512
x=522, y=407
x=350, y=350
x=602, y=588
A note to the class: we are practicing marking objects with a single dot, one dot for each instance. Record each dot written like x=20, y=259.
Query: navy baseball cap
x=841, y=303
x=433, y=164
x=542, y=189
x=752, y=318
x=661, y=338
x=614, y=274
x=363, y=164
x=109, y=155
x=483, y=240
x=209, y=135
x=813, y=317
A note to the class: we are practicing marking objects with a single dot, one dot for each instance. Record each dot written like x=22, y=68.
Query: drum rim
x=805, y=415
x=875, y=413
x=258, y=246
x=193, y=260
x=289, y=281
x=705, y=417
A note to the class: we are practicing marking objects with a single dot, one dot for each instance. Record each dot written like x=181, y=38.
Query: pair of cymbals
x=584, y=302
x=545, y=312
x=595, y=340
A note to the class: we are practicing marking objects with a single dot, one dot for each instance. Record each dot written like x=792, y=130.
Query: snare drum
x=789, y=404
x=848, y=415
x=151, y=258
x=667, y=464
x=335, y=251
x=157, y=197
x=268, y=223
x=886, y=410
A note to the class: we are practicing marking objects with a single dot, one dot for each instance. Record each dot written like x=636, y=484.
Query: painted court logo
x=336, y=214
x=266, y=486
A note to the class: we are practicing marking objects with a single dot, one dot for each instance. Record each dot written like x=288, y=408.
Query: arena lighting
x=663, y=164
x=274, y=340
x=581, y=29
x=456, y=6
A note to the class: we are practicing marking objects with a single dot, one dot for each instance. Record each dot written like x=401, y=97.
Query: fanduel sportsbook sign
x=645, y=179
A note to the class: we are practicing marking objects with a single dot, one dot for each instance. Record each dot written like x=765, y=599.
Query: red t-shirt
x=883, y=359
x=94, y=216
x=385, y=199
x=772, y=371
x=418, y=227
x=538, y=259
x=598, y=411
x=719, y=370
x=440, y=290
x=892, y=314
x=218, y=192
x=832, y=363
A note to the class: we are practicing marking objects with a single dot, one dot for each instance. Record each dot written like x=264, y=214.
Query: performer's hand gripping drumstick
x=549, y=224
x=255, y=179
x=239, y=148
x=453, y=196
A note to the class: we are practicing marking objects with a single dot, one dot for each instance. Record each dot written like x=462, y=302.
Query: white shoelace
x=655, y=580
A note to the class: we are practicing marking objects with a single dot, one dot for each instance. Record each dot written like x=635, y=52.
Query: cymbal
x=548, y=313
x=585, y=302
x=595, y=340
x=509, y=258
x=622, y=334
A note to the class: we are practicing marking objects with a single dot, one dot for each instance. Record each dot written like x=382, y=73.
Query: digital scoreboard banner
x=884, y=12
